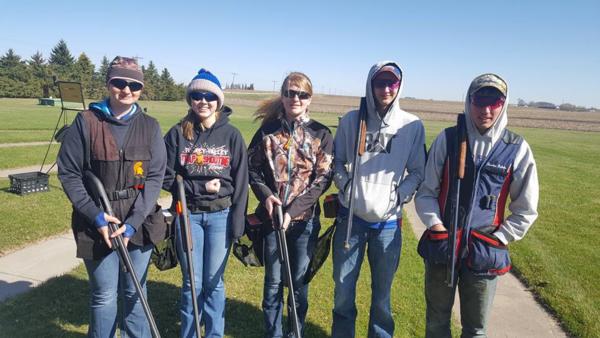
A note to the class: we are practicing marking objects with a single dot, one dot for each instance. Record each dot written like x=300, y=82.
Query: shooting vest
x=485, y=188
x=123, y=174
x=482, y=202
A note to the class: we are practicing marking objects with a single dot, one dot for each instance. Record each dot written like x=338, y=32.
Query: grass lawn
x=16, y=157
x=29, y=218
x=557, y=259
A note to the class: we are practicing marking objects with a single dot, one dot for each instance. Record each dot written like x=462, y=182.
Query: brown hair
x=191, y=119
x=271, y=109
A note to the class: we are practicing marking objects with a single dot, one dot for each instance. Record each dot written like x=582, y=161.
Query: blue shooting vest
x=482, y=202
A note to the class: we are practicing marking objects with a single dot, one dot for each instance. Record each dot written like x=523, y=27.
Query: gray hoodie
x=393, y=165
x=524, y=187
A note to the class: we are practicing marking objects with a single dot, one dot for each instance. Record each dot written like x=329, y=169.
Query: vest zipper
x=289, y=164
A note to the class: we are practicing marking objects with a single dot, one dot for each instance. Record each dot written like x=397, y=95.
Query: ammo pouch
x=330, y=206
x=487, y=255
x=251, y=254
x=164, y=253
x=433, y=246
x=157, y=225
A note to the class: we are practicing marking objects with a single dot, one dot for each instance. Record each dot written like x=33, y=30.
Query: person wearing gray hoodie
x=499, y=164
x=389, y=172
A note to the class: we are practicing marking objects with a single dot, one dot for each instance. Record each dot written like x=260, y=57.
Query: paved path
x=22, y=144
x=515, y=312
x=26, y=268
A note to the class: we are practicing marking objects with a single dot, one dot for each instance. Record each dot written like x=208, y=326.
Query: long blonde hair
x=191, y=119
x=271, y=109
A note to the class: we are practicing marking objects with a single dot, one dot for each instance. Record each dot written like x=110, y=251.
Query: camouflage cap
x=488, y=80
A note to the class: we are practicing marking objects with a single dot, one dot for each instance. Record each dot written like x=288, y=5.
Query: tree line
x=34, y=77
x=550, y=105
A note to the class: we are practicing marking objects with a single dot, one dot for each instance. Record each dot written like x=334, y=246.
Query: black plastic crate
x=27, y=183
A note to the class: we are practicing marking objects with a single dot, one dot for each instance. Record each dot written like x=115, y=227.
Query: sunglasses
x=208, y=96
x=384, y=83
x=121, y=84
x=293, y=93
x=488, y=101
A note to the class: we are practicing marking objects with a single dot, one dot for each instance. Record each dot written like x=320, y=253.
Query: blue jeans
x=301, y=239
x=476, y=297
x=211, y=240
x=107, y=282
x=383, y=251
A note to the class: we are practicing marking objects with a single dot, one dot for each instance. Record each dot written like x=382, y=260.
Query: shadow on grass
x=8, y=289
x=59, y=308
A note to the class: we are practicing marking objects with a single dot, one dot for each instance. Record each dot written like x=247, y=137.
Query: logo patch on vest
x=138, y=169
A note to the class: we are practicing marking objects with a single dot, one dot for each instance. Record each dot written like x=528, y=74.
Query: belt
x=209, y=206
x=122, y=194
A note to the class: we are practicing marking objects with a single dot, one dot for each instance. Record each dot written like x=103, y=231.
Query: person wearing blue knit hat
x=210, y=154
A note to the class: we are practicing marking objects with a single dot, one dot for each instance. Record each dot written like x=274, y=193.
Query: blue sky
x=546, y=50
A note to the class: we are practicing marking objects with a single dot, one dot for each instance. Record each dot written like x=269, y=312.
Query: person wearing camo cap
x=123, y=147
x=499, y=165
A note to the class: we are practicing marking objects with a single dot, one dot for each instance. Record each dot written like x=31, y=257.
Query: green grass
x=558, y=258
x=16, y=157
x=29, y=218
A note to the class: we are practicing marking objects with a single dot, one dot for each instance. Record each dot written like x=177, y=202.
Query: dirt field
x=443, y=111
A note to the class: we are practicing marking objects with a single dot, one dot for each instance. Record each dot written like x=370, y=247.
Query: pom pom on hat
x=205, y=81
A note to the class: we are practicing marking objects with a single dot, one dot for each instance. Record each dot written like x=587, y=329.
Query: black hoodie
x=217, y=152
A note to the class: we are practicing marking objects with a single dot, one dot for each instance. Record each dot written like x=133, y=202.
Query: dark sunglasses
x=121, y=84
x=199, y=96
x=293, y=93
x=488, y=101
x=385, y=83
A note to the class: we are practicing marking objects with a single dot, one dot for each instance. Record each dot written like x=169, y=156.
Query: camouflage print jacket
x=294, y=162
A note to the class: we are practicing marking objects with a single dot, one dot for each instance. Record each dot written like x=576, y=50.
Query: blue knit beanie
x=205, y=81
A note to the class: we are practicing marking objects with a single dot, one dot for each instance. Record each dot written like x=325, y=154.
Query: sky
x=545, y=50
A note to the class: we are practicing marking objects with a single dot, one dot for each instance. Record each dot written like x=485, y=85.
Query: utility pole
x=274, y=83
x=233, y=80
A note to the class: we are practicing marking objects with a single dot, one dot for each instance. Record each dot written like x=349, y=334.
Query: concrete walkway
x=22, y=144
x=24, y=269
x=515, y=312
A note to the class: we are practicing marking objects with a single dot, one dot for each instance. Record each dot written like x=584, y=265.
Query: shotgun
x=461, y=134
x=186, y=241
x=285, y=257
x=359, y=149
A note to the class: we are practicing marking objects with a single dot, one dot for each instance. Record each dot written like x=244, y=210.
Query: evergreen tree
x=61, y=61
x=83, y=72
x=99, y=82
x=168, y=91
x=15, y=76
x=42, y=80
x=151, y=83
